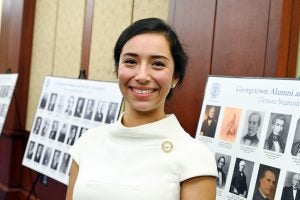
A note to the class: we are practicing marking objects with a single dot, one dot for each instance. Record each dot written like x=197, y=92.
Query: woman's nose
x=142, y=73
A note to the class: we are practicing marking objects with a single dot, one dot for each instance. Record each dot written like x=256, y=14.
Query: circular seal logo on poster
x=215, y=90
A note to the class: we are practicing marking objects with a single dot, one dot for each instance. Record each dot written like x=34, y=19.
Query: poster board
x=236, y=109
x=66, y=109
x=7, y=87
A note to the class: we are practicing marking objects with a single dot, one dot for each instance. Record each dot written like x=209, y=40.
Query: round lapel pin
x=167, y=146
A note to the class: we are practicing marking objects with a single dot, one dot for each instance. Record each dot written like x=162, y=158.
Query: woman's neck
x=134, y=118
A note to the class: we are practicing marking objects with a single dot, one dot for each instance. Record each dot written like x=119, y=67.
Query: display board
x=7, y=87
x=66, y=109
x=253, y=127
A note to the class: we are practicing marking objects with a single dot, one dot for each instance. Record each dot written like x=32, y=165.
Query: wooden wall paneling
x=15, y=53
x=278, y=38
x=284, y=38
x=240, y=37
x=294, y=39
x=194, y=23
x=87, y=35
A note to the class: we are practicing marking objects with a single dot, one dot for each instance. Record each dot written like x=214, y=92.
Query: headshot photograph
x=210, y=121
x=241, y=177
x=252, y=128
x=64, y=163
x=30, y=150
x=37, y=125
x=47, y=156
x=55, y=159
x=100, y=111
x=89, y=109
x=62, y=133
x=277, y=133
x=230, y=123
x=52, y=101
x=291, y=189
x=54, y=129
x=295, y=151
x=45, y=127
x=38, y=153
x=111, y=113
x=266, y=183
x=44, y=100
x=79, y=107
x=223, y=163
x=72, y=135
x=69, y=105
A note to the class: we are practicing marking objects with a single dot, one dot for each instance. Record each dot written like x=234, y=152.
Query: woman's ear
x=174, y=83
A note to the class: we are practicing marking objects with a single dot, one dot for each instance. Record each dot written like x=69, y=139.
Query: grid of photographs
x=253, y=127
x=7, y=87
x=66, y=109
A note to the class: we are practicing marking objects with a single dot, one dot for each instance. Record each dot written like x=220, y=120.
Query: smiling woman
x=146, y=154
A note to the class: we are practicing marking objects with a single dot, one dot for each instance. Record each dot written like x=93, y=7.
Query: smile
x=139, y=91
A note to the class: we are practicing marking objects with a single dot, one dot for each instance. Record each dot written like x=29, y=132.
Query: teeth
x=142, y=91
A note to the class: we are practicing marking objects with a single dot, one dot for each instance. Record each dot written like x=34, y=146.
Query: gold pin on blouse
x=167, y=146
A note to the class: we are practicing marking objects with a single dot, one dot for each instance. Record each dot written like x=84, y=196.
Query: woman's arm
x=72, y=180
x=199, y=188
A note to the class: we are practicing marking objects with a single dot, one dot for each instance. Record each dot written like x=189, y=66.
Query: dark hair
x=280, y=116
x=154, y=25
x=221, y=158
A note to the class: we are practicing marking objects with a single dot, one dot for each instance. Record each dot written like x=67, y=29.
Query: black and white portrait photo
x=278, y=129
x=69, y=105
x=100, y=111
x=43, y=102
x=63, y=133
x=72, y=135
x=38, y=153
x=111, y=113
x=47, y=156
x=89, y=109
x=241, y=178
x=30, y=150
x=37, y=125
x=64, y=163
x=45, y=127
x=55, y=159
x=52, y=101
x=252, y=128
x=53, y=130
x=79, y=107
x=223, y=163
x=291, y=189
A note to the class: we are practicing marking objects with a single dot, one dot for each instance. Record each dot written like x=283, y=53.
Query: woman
x=145, y=154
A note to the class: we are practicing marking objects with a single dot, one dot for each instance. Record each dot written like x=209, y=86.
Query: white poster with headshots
x=253, y=127
x=66, y=109
x=7, y=87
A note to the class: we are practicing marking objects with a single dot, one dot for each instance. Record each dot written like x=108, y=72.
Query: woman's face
x=146, y=71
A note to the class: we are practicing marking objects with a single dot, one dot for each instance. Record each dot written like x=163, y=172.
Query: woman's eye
x=158, y=64
x=130, y=61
